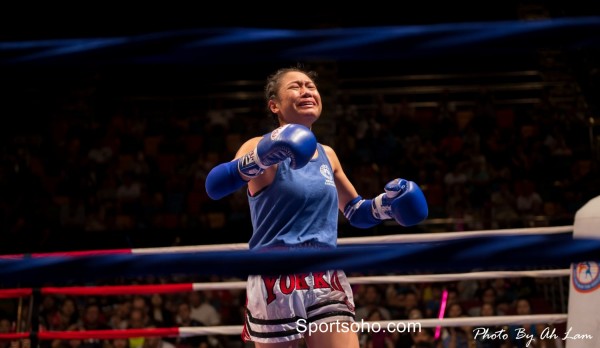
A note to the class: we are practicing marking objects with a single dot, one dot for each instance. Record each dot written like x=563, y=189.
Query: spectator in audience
x=424, y=338
x=487, y=295
x=482, y=341
x=456, y=337
x=381, y=339
x=503, y=206
x=372, y=300
x=519, y=335
x=5, y=327
x=406, y=339
x=120, y=316
x=93, y=318
x=118, y=343
x=159, y=313
x=402, y=303
x=202, y=310
x=529, y=201
x=159, y=342
x=184, y=319
x=137, y=320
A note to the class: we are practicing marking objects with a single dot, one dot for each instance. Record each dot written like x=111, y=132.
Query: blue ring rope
x=503, y=252
x=237, y=45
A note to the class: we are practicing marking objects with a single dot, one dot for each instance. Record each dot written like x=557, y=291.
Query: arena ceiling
x=203, y=36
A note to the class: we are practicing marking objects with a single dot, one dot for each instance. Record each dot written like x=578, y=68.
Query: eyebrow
x=300, y=82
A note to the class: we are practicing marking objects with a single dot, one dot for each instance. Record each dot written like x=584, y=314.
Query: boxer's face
x=297, y=101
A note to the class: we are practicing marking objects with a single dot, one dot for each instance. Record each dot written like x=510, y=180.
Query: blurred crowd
x=100, y=172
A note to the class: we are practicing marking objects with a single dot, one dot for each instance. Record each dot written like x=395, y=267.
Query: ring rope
x=395, y=238
x=110, y=290
x=237, y=329
x=465, y=255
x=346, y=241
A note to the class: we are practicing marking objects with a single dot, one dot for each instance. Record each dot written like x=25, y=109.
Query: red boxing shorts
x=281, y=308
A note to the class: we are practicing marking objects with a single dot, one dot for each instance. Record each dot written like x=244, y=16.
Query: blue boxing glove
x=292, y=141
x=402, y=201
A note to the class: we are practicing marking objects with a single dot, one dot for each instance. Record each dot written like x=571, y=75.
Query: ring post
x=583, y=325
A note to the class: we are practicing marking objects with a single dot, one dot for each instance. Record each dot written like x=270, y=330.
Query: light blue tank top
x=299, y=208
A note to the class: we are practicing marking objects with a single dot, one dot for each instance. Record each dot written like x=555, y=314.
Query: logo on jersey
x=327, y=174
x=586, y=276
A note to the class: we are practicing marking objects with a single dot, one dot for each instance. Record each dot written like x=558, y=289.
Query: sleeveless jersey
x=299, y=208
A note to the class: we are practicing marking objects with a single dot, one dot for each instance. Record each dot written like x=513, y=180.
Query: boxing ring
x=528, y=252
x=544, y=252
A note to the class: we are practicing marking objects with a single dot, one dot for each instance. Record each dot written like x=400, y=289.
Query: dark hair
x=274, y=81
x=374, y=311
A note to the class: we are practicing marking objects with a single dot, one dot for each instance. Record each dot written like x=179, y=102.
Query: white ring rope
x=444, y=236
x=457, y=276
x=358, y=326
x=410, y=278
x=423, y=323
x=395, y=238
